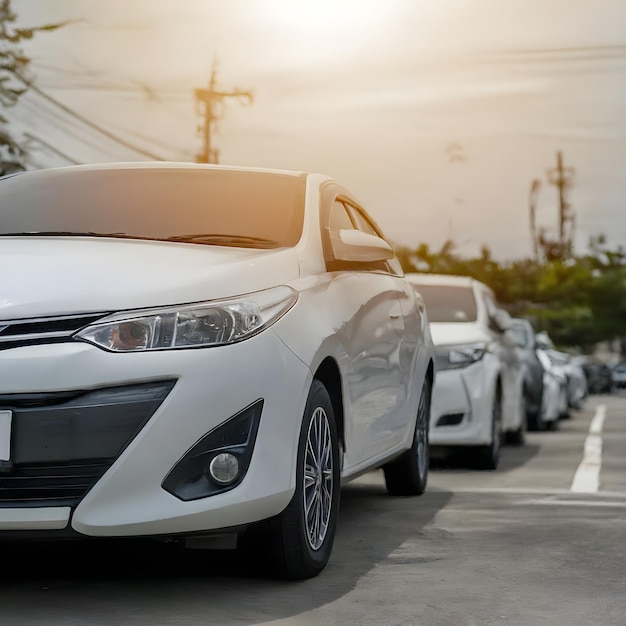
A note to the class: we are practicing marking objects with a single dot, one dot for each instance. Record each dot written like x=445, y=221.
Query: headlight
x=456, y=357
x=204, y=324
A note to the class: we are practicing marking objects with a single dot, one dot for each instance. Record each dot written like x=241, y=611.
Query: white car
x=554, y=398
x=478, y=394
x=568, y=367
x=193, y=351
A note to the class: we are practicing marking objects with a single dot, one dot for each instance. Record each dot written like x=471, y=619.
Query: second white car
x=477, y=397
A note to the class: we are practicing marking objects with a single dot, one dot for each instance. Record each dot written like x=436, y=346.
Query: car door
x=413, y=356
x=372, y=333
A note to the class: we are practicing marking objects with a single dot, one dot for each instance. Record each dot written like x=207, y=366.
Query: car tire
x=538, y=423
x=299, y=541
x=488, y=457
x=408, y=474
x=534, y=421
x=552, y=425
x=564, y=405
x=518, y=437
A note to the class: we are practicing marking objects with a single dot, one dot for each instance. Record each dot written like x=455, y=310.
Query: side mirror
x=360, y=247
x=542, y=342
x=501, y=320
x=512, y=340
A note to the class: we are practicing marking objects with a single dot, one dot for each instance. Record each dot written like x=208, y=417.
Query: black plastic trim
x=188, y=481
x=63, y=442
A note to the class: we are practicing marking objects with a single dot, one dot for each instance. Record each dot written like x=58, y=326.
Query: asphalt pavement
x=542, y=540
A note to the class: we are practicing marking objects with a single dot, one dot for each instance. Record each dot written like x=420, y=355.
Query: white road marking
x=507, y=491
x=517, y=491
x=588, y=503
x=587, y=477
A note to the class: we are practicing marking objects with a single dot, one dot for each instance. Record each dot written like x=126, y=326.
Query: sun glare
x=314, y=30
x=311, y=16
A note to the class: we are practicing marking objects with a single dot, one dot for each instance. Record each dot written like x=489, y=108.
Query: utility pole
x=209, y=104
x=535, y=187
x=562, y=178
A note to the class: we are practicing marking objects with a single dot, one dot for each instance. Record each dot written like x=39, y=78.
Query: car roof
x=162, y=165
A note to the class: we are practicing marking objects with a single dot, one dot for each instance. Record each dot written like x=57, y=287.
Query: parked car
x=618, y=376
x=547, y=384
x=598, y=376
x=478, y=394
x=554, y=402
x=534, y=371
x=192, y=352
x=576, y=381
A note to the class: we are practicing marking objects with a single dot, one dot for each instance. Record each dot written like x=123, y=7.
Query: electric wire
x=88, y=122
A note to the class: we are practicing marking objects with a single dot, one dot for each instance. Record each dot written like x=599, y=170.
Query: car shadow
x=511, y=458
x=115, y=581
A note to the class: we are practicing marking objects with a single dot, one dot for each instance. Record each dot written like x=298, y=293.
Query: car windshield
x=203, y=206
x=448, y=303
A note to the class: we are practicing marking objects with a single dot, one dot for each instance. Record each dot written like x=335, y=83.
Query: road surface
x=542, y=540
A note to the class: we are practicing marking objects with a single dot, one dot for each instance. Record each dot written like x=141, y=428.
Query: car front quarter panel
x=350, y=318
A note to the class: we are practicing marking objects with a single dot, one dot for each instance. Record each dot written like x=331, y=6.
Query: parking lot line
x=587, y=477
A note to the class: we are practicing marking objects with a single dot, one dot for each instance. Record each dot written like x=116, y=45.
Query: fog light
x=219, y=461
x=224, y=468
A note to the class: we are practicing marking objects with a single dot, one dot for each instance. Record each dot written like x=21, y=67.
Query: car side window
x=339, y=217
x=490, y=303
x=492, y=307
x=362, y=223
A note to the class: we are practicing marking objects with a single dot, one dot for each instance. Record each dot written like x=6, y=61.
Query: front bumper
x=461, y=407
x=126, y=497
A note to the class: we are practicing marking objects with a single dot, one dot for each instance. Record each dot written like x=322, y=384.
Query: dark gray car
x=524, y=336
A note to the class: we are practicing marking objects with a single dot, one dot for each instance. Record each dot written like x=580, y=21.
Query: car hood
x=455, y=333
x=43, y=276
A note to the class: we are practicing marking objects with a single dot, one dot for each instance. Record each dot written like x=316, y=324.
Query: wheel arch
x=328, y=374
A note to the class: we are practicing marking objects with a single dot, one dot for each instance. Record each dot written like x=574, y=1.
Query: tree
x=14, y=82
x=579, y=301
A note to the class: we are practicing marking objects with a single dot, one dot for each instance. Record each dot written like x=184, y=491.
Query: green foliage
x=13, y=81
x=579, y=301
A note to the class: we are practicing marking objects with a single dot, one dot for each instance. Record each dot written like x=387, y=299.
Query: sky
x=437, y=115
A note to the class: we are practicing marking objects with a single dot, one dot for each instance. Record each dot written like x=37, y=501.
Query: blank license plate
x=5, y=435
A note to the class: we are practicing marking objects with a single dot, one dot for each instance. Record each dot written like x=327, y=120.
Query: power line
x=156, y=142
x=50, y=147
x=568, y=50
x=88, y=122
x=65, y=124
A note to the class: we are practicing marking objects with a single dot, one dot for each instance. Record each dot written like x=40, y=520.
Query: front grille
x=14, y=333
x=62, y=484
x=63, y=442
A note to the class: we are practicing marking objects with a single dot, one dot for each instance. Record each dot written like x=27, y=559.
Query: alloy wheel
x=318, y=479
x=421, y=436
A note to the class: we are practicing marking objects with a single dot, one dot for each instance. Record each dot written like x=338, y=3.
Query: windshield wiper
x=202, y=238
x=225, y=240
x=71, y=233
